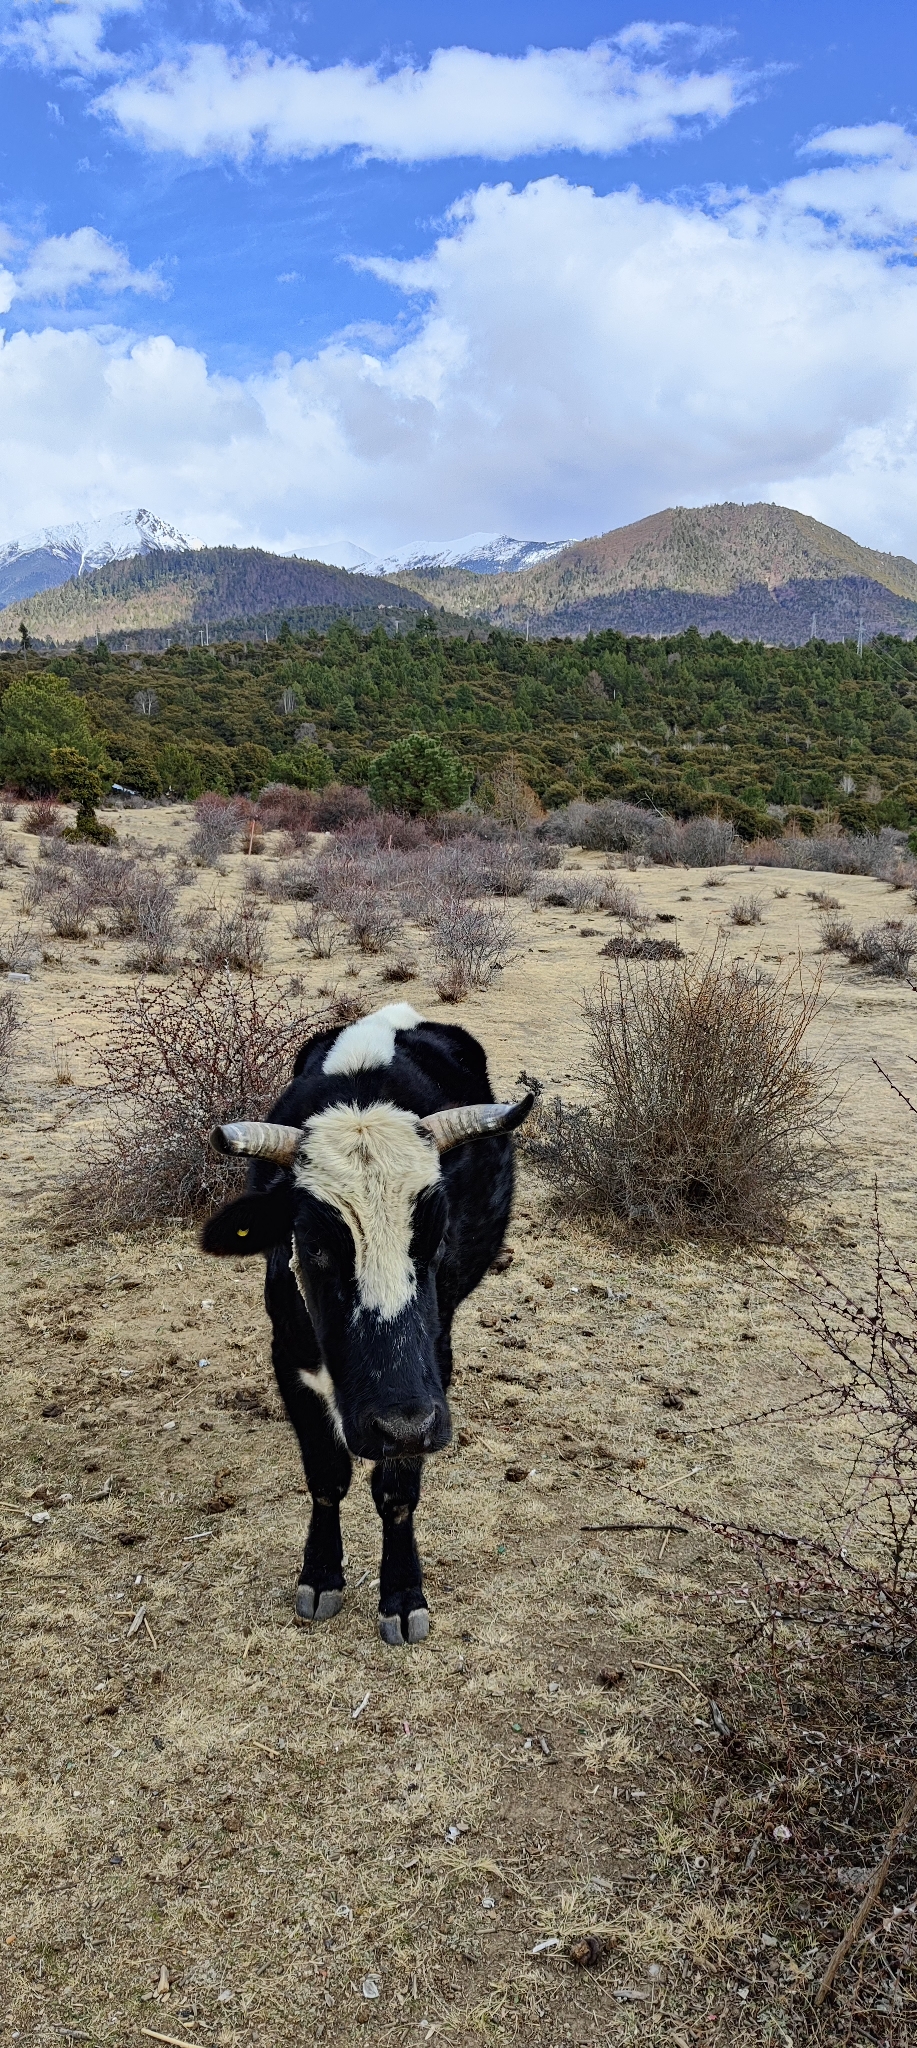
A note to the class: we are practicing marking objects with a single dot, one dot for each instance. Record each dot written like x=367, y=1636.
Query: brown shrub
x=747, y=910
x=373, y=921
x=44, y=815
x=339, y=807
x=207, y=1049
x=216, y=829
x=471, y=941
x=9, y=805
x=19, y=950
x=284, y=809
x=704, y=1103
x=400, y=969
x=317, y=930
x=10, y=1023
x=230, y=935
x=837, y=934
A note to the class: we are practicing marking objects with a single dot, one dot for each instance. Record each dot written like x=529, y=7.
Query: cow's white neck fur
x=370, y=1165
x=371, y=1042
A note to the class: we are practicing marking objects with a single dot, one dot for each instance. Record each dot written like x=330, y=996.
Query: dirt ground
x=224, y=1829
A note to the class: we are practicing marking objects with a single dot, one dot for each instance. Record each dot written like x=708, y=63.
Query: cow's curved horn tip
x=219, y=1140
x=521, y=1110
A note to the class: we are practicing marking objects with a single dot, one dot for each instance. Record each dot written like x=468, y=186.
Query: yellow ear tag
x=241, y=1233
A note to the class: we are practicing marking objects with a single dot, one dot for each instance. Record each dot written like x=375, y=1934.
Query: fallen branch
x=630, y=1528
x=858, y=1923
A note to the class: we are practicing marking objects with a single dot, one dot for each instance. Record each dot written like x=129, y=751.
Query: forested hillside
x=156, y=598
x=685, y=723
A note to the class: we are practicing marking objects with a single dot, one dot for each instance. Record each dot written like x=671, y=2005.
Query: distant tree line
x=688, y=724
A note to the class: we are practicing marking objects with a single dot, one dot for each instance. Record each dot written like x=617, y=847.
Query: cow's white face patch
x=370, y=1165
x=371, y=1042
x=322, y=1384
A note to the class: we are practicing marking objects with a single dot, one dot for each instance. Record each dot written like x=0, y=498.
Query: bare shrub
x=19, y=950
x=629, y=947
x=471, y=941
x=68, y=913
x=621, y=902
x=569, y=892
x=705, y=1105
x=885, y=948
x=459, y=869
x=230, y=935
x=747, y=910
x=10, y=1024
x=822, y=900
x=834, y=853
x=216, y=829
x=509, y=866
x=837, y=933
x=146, y=909
x=373, y=921
x=208, y=1048
x=714, y=881
x=317, y=930
x=616, y=827
x=293, y=881
x=284, y=809
x=45, y=815
x=9, y=805
x=400, y=969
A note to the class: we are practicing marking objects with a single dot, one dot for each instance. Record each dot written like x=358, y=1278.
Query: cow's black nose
x=407, y=1435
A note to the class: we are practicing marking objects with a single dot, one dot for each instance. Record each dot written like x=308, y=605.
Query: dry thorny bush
x=887, y=948
x=705, y=1106
x=208, y=1048
x=10, y=1022
x=471, y=942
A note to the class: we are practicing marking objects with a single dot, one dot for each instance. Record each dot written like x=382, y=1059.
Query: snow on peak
x=485, y=554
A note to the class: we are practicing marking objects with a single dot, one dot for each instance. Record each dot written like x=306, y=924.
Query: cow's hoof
x=330, y=1602
x=411, y=1625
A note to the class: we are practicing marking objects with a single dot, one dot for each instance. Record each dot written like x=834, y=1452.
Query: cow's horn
x=448, y=1127
x=259, y=1141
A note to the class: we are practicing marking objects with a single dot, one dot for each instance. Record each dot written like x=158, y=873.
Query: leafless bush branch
x=19, y=950
x=208, y=1048
x=230, y=935
x=705, y=1105
x=10, y=1024
x=471, y=941
x=317, y=930
x=747, y=910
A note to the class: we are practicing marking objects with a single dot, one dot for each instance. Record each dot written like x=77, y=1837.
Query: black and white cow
x=377, y=1217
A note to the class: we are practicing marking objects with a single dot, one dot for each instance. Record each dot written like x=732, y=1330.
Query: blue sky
x=311, y=276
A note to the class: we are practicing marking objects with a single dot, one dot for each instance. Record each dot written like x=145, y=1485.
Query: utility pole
x=812, y=627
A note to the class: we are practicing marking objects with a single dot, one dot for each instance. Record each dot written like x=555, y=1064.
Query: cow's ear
x=252, y=1224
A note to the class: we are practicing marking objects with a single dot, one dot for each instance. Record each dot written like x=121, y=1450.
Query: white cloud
x=570, y=362
x=64, y=35
x=65, y=263
x=462, y=103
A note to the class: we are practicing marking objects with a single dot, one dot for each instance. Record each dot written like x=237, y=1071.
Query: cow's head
x=363, y=1206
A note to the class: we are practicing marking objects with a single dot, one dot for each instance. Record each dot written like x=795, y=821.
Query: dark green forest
x=688, y=724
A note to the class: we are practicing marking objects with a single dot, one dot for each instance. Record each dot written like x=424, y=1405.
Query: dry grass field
x=224, y=1829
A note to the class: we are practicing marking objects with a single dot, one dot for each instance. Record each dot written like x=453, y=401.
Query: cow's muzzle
x=406, y=1432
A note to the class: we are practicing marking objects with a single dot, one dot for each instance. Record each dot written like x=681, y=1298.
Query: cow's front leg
x=320, y=1592
x=403, y=1613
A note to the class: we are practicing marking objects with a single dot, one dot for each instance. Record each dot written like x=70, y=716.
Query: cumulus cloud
x=464, y=102
x=62, y=264
x=566, y=362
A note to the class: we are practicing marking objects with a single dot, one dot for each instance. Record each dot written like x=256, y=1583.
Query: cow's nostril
x=408, y=1432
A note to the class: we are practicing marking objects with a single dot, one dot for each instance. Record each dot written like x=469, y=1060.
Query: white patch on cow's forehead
x=371, y=1042
x=370, y=1165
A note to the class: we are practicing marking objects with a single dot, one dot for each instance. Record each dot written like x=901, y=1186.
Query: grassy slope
x=684, y=723
x=713, y=550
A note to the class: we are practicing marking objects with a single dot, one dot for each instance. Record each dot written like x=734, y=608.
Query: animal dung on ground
x=503, y=1260
x=516, y=1472
x=611, y=1676
x=587, y=1951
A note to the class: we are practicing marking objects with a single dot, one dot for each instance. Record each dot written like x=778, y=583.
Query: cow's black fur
x=390, y=1380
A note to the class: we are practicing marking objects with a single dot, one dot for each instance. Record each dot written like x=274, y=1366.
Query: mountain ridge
x=45, y=560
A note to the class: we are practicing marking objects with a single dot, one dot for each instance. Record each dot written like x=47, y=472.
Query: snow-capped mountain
x=486, y=554
x=44, y=560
